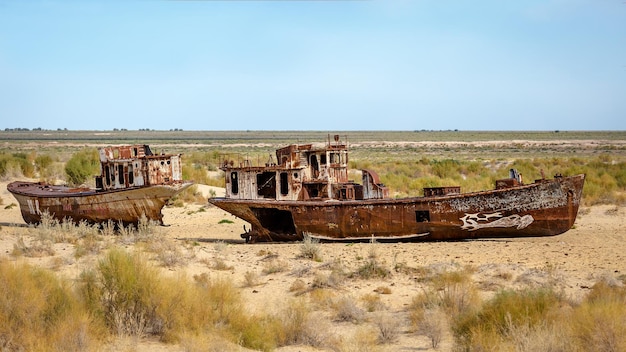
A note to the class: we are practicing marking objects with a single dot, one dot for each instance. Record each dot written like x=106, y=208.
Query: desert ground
x=594, y=249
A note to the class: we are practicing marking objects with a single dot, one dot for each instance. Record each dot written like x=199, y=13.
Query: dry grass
x=250, y=279
x=347, y=310
x=389, y=327
x=274, y=266
x=372, y=268
x=310, y=249
x=372, y=302
x=39, y=312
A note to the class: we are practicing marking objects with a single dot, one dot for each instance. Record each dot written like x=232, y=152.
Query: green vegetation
x=543, y=320
x=16, y=165
x=40, y=312
x=406, y=161
x=605, y=175
x=82, y=166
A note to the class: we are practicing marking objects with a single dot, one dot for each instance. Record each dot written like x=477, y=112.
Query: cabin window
x=323, y=159
x=422, y=216
x=284, y=184
x=120, y=174
x=107, y=176
x=295, y=175
x=135, y=152
x=266, y=184
x=334, y=158
x=131, y=176
x=315, y=166
x=112, y=173
x=234, y=183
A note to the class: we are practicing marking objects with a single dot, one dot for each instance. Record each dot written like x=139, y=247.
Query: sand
x=593, y=250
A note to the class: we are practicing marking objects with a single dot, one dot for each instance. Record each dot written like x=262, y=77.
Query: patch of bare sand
x=594, y=249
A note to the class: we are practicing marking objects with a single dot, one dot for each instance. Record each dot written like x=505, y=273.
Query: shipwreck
x=133, y=183
x=305, y=191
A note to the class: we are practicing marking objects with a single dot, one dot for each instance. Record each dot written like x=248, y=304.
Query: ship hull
x=83, y=204
x=543, y=208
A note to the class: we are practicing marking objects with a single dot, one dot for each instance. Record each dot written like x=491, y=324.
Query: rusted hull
x=125, y=205
x=544, y=208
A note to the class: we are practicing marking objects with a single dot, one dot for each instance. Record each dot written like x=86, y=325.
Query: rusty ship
x=133, y=183
x=305, y=191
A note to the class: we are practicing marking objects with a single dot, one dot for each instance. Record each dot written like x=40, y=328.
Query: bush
x=310, y=249
x=16, y=165
x=599, y=323
x=82, y=165
x=39, y=312
x=504, y=313
x=347, y=310
x=42, y=162
x=133, y=298
x=371, y=268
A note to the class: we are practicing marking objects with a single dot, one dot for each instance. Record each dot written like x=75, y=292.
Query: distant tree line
x=23, y=129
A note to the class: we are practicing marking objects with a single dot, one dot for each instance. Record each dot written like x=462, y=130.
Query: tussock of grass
x=503, y=315
x=347, y=310
x=327, y=280
x=599, y=323
x=310, y=249
x=372, y=302
x=250, y=279
x=372, y=268
x=389, y=327
x=274, y=266
x=133, y=299
x=297, y=325
x=298, y=286
x=39, y=312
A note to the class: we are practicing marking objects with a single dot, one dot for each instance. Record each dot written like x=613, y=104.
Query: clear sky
x=313, y=65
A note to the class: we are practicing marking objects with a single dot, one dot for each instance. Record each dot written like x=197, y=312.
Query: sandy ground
x=594, y=249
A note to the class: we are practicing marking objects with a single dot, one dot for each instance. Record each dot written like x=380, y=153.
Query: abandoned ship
x=133, y=182
x=306, y=192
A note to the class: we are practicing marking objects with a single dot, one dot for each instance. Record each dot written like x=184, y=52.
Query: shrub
x=599, y=323
x=250, y=278
x=371, y=268
x=39, y=312
x=297, y=325
x=133, y=298
x=310, y=249
x=347, y=310
x=292, y=321
x=454, y=291
x=124, y=288
x=372, y=302
x=498, y=317
x=42, y=162
x=274, y=266
x=388, y=327
x=433, y=325
x=82, y=165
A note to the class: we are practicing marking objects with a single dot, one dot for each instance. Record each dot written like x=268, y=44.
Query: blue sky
x=313, y=65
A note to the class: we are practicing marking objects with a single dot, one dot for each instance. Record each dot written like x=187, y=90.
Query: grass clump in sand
x=310, y=249
x=448, y=295
x=372, y=268
x=40, y=312
x=599, y=323
x=504, y=316
x=132, y=298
